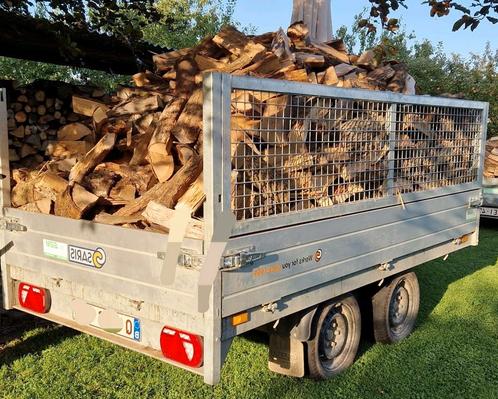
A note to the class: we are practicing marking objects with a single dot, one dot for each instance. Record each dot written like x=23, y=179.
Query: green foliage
x=190, y=21
x=474, y=77
x=115, y=17
x=179, y=23
x=24, y=72
x=358, y=39
x=472, y=14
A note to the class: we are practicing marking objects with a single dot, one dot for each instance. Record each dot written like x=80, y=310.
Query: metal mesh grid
x=296, y=152
x=436, y=147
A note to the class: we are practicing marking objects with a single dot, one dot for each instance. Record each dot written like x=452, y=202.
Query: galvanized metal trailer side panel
x=356, y=240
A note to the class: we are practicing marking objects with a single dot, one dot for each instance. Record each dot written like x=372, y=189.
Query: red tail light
x=182, y=347
x=33, y=298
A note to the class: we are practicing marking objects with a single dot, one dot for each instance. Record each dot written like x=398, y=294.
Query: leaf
x=461, y=8
x=492, y=20
x=458, y=24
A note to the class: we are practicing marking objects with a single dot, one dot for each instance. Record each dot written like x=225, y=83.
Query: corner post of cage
x=391, y=129
x=482, y=138
x=4, y=152
x=216, y=149
x=6, y=297
x=216, y=171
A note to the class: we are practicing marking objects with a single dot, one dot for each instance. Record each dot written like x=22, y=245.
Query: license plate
x=130, y=325
x=492, y=212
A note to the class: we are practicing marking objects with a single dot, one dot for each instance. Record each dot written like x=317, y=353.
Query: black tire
x=337, y=336
x=395, y=309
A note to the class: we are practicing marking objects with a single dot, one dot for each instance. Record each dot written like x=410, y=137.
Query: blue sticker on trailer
x=136, y=330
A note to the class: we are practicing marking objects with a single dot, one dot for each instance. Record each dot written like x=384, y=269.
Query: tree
x=316, y=14
x=472, y=14
x=175, y=24
x=189, y=21
x=120, y=18
x=474, y=77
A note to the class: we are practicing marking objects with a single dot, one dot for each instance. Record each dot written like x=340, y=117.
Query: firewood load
x=37, y=114
x=138, y=155
x=491, y=158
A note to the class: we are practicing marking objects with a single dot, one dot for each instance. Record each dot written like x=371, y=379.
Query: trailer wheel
x=338, y=330
x=395, y=309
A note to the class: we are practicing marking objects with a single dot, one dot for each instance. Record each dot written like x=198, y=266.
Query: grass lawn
x=453, y=353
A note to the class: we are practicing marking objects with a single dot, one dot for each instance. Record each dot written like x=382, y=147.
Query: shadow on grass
x=34, y=342
x=435, y=276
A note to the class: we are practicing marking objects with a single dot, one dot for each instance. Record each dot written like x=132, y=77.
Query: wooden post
x=317, y=15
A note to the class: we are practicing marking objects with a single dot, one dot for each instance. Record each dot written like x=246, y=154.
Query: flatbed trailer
x=295, y=273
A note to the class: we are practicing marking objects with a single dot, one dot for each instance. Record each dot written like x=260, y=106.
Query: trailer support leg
x=286, y=356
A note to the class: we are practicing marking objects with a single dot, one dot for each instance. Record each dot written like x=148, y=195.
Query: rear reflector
x=34, y=298
x=240, y=318
x=182, y=347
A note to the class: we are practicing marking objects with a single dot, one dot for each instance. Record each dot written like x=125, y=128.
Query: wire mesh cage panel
x=294, y=152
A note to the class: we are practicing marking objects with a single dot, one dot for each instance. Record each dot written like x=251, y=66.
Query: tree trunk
x=317, y=15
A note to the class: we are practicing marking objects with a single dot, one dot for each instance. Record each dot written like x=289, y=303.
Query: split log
x=281, y=46
x=74, y=202
x=330, y=77
x=142, y=144
x=208, y=64
x=169, y=192
x=335, y=56
x=87, y=107
x=398, y=81
x=137, y=106
x=184, y=153
x=124, y=190
x=50, y=185
x=189, y=124
x=159, y=149
x=250, y=53
x=163, y=216
x=23, y=193
x=107, y=218
x=73, y=131
x=382, y=74
x=100, y=182
x=67, y=149
x=231, y=39
x=310, y=60
x=92, y=158
x=165, y=61
x=367, y=59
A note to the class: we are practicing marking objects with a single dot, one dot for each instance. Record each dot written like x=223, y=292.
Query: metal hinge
x=271, y=307
x=387, y=266
x=475, y=202
x=11, y=224
x=186, y=258
x=240, y=258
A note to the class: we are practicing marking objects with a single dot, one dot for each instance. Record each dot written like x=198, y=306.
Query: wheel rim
x=333, y=337
x=399, y=307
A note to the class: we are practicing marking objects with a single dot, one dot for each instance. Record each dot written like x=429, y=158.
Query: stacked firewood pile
x=135, y=157
x=491, y=159
x=37, y=114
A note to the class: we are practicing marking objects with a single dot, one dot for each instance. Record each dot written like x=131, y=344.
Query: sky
x=269, y=15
